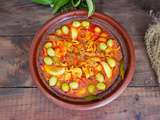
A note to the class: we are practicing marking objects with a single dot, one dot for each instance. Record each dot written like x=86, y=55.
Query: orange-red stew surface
x=80, y=59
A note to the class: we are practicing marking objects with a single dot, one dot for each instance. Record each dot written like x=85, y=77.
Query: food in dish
x=80, y=59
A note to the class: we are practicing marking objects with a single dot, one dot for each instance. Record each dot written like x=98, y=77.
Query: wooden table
x=20, y=99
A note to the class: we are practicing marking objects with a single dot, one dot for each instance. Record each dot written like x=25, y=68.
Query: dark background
x=148, y=4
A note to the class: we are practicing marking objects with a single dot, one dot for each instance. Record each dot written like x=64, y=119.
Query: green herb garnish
x=61, y=5
x=122, y=69
x=75, y=3
x=43, y=2
x=91, y=7
x=91, y=97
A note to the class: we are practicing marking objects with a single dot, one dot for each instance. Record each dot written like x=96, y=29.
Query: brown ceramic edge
x=102, y=102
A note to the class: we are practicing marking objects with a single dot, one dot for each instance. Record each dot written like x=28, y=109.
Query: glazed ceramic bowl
x=107, y=23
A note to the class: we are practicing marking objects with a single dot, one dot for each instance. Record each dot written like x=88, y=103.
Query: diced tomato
x=75, y=60
x=95, y=37
x=60, y=51
x=76, y=50
x=44, y=53
x=83, y=82
x=47, y=76
x=102, y=39
x=62, y=58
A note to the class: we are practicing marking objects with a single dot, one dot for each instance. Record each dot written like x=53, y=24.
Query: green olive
x=85, y=24
x=91, y=89
x=102, y=46
x=99, y=77
x=111, y=62
x=52, y=81
x=101, y=86
x=65, y=87
x=110, y=43
x=76, y=24
x=50, y=52
x=48, y=45
x=65, y=29
x=74, y=85
x=48, y=61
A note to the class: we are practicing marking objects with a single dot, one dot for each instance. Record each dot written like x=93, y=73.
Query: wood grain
x=21, y=17
x=14, y=61
x=30, y=104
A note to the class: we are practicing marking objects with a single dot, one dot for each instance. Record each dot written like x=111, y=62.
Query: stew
x=80, y=59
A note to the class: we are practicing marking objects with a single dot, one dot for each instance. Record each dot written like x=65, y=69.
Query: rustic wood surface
x=21, y=100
